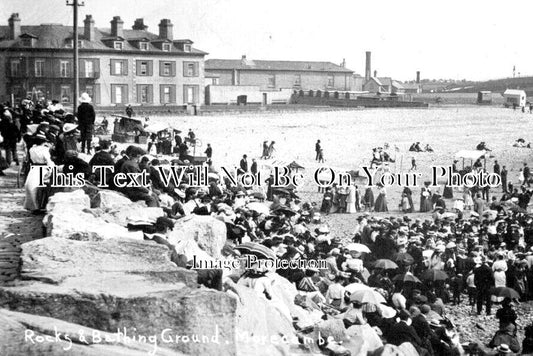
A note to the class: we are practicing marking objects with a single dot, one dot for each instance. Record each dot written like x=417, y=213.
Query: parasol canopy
x=259, y=208
x=367, y=296
x=354, y=287
x=504, y=292
x=256, y=249
x=406, y=277
x=404, y=258
x=385, y=264
x=357, y=247
x=294, y=165
x=434, y=275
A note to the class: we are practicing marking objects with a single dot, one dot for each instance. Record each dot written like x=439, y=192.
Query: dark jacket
x=86, y=115
x=401, y=332
x=483, y=277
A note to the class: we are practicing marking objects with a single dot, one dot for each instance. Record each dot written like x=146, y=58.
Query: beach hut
x=484, y=97
x=514, y=98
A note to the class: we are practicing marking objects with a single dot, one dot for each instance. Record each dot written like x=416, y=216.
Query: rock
x=368, y=334
x=258, y=320
x=26, y=334
x=55, y=260
x=331, y=328
x=76, y=200
x=408, y=349
x=116, y=284
x=208, y=232
x=135, y=211
x=110, y=199
x=388, y=350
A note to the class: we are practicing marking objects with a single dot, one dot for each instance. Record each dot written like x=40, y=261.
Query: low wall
x=228, y=94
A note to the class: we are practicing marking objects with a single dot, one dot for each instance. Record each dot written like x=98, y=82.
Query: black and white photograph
x=280, y=178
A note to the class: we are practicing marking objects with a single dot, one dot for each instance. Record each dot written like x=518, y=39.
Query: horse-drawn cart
x=128, y=130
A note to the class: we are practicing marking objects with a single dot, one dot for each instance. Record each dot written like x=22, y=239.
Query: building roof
x=56, y=36
x=514, y=92
x=411, y=86
x=247, y=64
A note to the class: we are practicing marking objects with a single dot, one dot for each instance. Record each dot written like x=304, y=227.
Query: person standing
x=503, y=175
x=526, y=172
x=11, y=134
x=209, y=151
x=253, y=167
x=484, y=281
x=86, y=117
x=243, y=164
x=129, y=111
x=318, y=148
x=496, y=167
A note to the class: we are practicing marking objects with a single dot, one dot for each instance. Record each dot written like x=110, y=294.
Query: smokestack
x=165, y=29
x=139, y=25
x=417, y=77
x=375, y=74
x=117, y=27
x=88, y=32
x=14, y=26
x=368, y=69
x=343, y=64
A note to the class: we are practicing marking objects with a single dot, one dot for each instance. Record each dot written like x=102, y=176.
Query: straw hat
x=85, y=98
x=504, y=348
x=69, y=127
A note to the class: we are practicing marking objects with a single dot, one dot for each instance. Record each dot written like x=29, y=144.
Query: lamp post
x=75, y=4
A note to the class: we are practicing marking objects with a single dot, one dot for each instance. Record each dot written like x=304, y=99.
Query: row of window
x=271, y=81
x=119, y=93
x=88, y=68
x=146, y=68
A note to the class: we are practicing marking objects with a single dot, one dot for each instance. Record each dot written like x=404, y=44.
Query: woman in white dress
x=350, y=201
x=39, y=156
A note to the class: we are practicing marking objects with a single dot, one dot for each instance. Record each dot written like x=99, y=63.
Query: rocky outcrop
x=26, y=334
x=208, y=233
x=117, y=284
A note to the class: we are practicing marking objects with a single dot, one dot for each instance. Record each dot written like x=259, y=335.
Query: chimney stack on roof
x=14, y=26
x=88, y=32
x=139, y=24
x=375, y=74
x=117, y=26
x=165, y=29
x=417, y=77
x=368, y=69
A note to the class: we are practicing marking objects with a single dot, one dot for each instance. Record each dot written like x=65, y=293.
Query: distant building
x=117, y=66
x=514, y=97
x=276, y=75
x=383, y=85
x=411, y=88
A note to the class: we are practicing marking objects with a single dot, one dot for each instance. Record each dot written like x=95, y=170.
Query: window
x=144, y=93
x=40, y=92
x=119, y=93
x=298, y=80
x=119, y=67
x=39, y=67
x=27, y=42
x=190, y=69
x=118, y=45
x=15, y=67
x=190, y=94
x=187, y=48
x=144, y=68
x=167, y=69
x=89, y=69
x=271, y=81
x=94, y=92
x=66, y=94
x=166, y=47
x=331, y=81
x=143, y=46
x=65, y=69
x=167, y=94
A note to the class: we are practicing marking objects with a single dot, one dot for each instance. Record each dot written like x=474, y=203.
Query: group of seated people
x=415, y=147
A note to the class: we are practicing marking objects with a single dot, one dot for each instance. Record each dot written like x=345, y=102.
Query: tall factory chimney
x=368, y=69
x=417, y=77
x=375, y=74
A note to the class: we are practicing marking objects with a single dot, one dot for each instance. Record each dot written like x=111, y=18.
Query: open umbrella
x=404, y=258
x=406, y=277
x=504, y=292
x=294, y=165
x=282, y=209
x=449, y=215
x=354, y=287
x=385, y=264
x=367, y=296
x=258, y=250
x=357, y=247
x=259, y=208
x=434, y=275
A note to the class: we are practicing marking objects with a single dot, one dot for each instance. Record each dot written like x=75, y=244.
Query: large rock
x=208, y=233
x=110, y=199
x=371, y=339
x=26, y=334
x=76, y=200
x=117, y=284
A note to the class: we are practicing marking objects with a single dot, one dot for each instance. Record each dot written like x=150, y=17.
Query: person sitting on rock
x=131, y=166
x=507, y=336
x=428, y=148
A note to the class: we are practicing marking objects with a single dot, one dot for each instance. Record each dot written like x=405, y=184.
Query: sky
x=453, y=39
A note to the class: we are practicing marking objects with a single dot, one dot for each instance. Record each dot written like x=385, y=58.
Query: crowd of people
x=395, y=274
